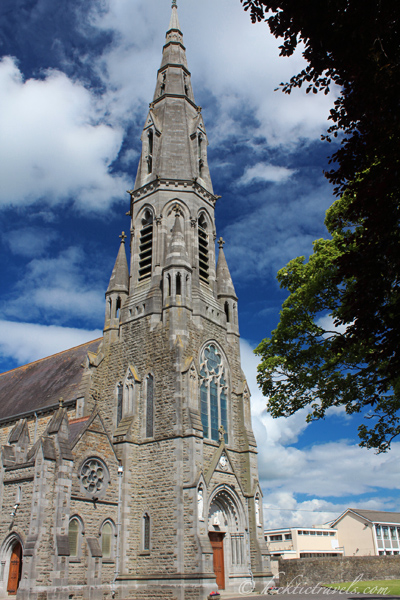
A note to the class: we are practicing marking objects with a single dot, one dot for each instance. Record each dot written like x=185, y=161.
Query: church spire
x=119, y=280
x=174, y=139
x=174, y=22
x=117, y=292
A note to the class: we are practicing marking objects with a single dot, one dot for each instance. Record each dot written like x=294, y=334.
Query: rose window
x=94, y=476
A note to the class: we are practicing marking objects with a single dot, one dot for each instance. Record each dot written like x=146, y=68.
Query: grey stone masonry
x=144, y=485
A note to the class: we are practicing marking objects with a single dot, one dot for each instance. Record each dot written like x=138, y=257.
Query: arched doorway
x=226, y=531
x=15, y=568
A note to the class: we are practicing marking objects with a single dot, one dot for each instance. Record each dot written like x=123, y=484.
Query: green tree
x=355, y=276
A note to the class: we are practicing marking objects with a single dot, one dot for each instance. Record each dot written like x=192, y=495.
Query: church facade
x=129, y=465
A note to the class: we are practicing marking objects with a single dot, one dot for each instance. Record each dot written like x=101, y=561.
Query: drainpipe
x=116, y=573
x=248, y=545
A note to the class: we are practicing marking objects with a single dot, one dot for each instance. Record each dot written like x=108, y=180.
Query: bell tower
x=168, y=380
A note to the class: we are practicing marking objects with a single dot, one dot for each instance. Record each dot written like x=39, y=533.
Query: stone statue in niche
x=257, y=504
x=200, y=503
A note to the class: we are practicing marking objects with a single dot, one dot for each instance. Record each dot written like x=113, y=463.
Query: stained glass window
x=106, y=540
x=73, y=536
x=213, y=393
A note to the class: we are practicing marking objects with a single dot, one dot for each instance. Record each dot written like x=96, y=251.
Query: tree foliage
x=355, y=276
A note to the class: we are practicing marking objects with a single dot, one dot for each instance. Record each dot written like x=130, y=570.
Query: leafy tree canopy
x=355, y=276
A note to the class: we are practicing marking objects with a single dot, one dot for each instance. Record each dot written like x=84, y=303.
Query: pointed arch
x=214, y=392
x=108, y=534
x=75, y=531
x=226, y=309
x=11, y=556
x=146, y=244
x=178, y=284
x=203, y=241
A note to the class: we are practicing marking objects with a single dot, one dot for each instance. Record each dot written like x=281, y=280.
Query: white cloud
x=283, y=225
x=26, y=342
x=29, y=241
x=55, y=142
x=233, y=61
x=335, y=469
x=58, y=288
x=265, y=172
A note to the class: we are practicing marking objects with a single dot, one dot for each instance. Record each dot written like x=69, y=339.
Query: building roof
x=39, y=385
x=373, y=516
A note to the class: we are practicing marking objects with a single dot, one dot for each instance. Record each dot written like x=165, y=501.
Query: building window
x=226, y=309
x=118, y=307
x=146, y=533
x=385, y=533
x=146, y=246
x=119, y=402
x=393, y=533
x=275, y=538
x=213, y=393
x=74, y=535
x=107, y=532
x=150, y=139
x=200, y=153
x=149, y=405
x=203, y=249
x=178, y=284
x=288, y=536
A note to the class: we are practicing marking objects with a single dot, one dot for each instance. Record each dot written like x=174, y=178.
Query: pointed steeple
x=116, y=294
x=119, y=280
x=174, y=22
x=174, y=140
x=224, y=281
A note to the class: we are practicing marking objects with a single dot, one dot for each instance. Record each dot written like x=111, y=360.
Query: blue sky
x=76, y=78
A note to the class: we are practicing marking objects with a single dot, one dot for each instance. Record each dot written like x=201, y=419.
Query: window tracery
x=213, y=393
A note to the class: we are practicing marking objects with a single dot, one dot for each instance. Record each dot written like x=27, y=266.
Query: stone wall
x=311, y=571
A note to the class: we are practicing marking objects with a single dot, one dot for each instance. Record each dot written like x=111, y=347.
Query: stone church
x=128, y=464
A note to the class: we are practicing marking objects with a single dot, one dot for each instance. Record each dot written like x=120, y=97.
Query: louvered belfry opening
x=146, y=246
x=203, y=249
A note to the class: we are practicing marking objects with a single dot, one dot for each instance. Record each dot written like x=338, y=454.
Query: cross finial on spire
x=61, y=402
x=221, y=243
x=123, y=237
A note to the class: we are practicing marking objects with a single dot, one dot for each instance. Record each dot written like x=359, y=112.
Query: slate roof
x=374, y=516
x=76, y=426
x=39, y=385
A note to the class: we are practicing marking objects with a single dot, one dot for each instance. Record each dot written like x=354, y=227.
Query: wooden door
x=217, y=543
x=14, y=574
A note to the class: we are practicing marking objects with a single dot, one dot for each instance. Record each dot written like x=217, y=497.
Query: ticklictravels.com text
x=296, y=586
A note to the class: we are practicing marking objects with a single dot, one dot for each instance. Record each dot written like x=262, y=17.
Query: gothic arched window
x=74, y=537
x=107, y=534
x=213, y=393
x=203, y=248
x=146, y=245
x=150, y=137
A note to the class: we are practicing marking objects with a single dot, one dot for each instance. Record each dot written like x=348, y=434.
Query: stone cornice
x=183, y=185
x=181, y=96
